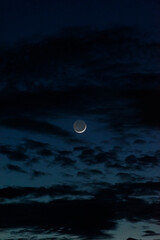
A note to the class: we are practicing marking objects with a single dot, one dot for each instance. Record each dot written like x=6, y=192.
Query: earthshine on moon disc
x=79, y=126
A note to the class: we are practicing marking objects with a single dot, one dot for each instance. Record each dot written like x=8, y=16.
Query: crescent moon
x=79, y=126
x=82, y=130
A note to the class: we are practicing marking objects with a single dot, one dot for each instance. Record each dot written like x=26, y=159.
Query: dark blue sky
x=91, y=60
x=28, y=19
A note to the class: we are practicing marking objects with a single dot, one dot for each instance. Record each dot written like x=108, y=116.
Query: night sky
x=94, y=60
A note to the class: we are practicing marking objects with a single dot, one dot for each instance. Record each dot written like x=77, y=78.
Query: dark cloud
x=64, y=158
x=68, y=175
x=88, y=173
x=130, y=177
x=142, y=79
x=138, y=189
x=37, y=174
x=139, y=141
x=35, y=126
x=76, y=47
x=15, y=168
x=132, y=239
x=99, y=77
x=59, y=190
x=100, y=190
x=35, y=145
x=96, y=172
x=45, y=153
x=48, y=103
x=149, y=233
x=98, y=156
x=145, y=100
x=64, y=161
x=14, y=154
x=139, y=163
x=85, y=217
x=87, y=155
x=110, y=159
x=124, y=191
x=32, y=161
x=125, y=108
x=80, y=148
x=107, y=157
x=38, y=149
x=64, y=152
x=83, y=174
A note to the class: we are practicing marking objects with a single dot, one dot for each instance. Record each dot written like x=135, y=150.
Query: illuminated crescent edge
x=82, y=130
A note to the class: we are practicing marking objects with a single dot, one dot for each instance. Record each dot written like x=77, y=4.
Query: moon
x=79, y=126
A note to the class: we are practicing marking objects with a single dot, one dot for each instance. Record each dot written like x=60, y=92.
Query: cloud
x=30, y=152
x=125, y=108
x=34, y=126
x=116, y=77
x=88, y=173
x=32, y=161
x=40, y=127
x=59, y=190
x=36, y=150
x=64, y=161
x=74, y=49
x=132, y=239
x=85, y=217
x=97, y=156
x=95, y=189
x=35, y=145
x=45, y=152
x=140, y=189
x=139, y=141
x=149, y=233
x=15, y=168
x=145, y=108
x=112, y=159
x=96, y=172
x=64, y=152
x=14, y=154
x=64, y=158
x=139, y=163
x=128, y=177
x=80, y=148
x=37, y=174
x=123, y=192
